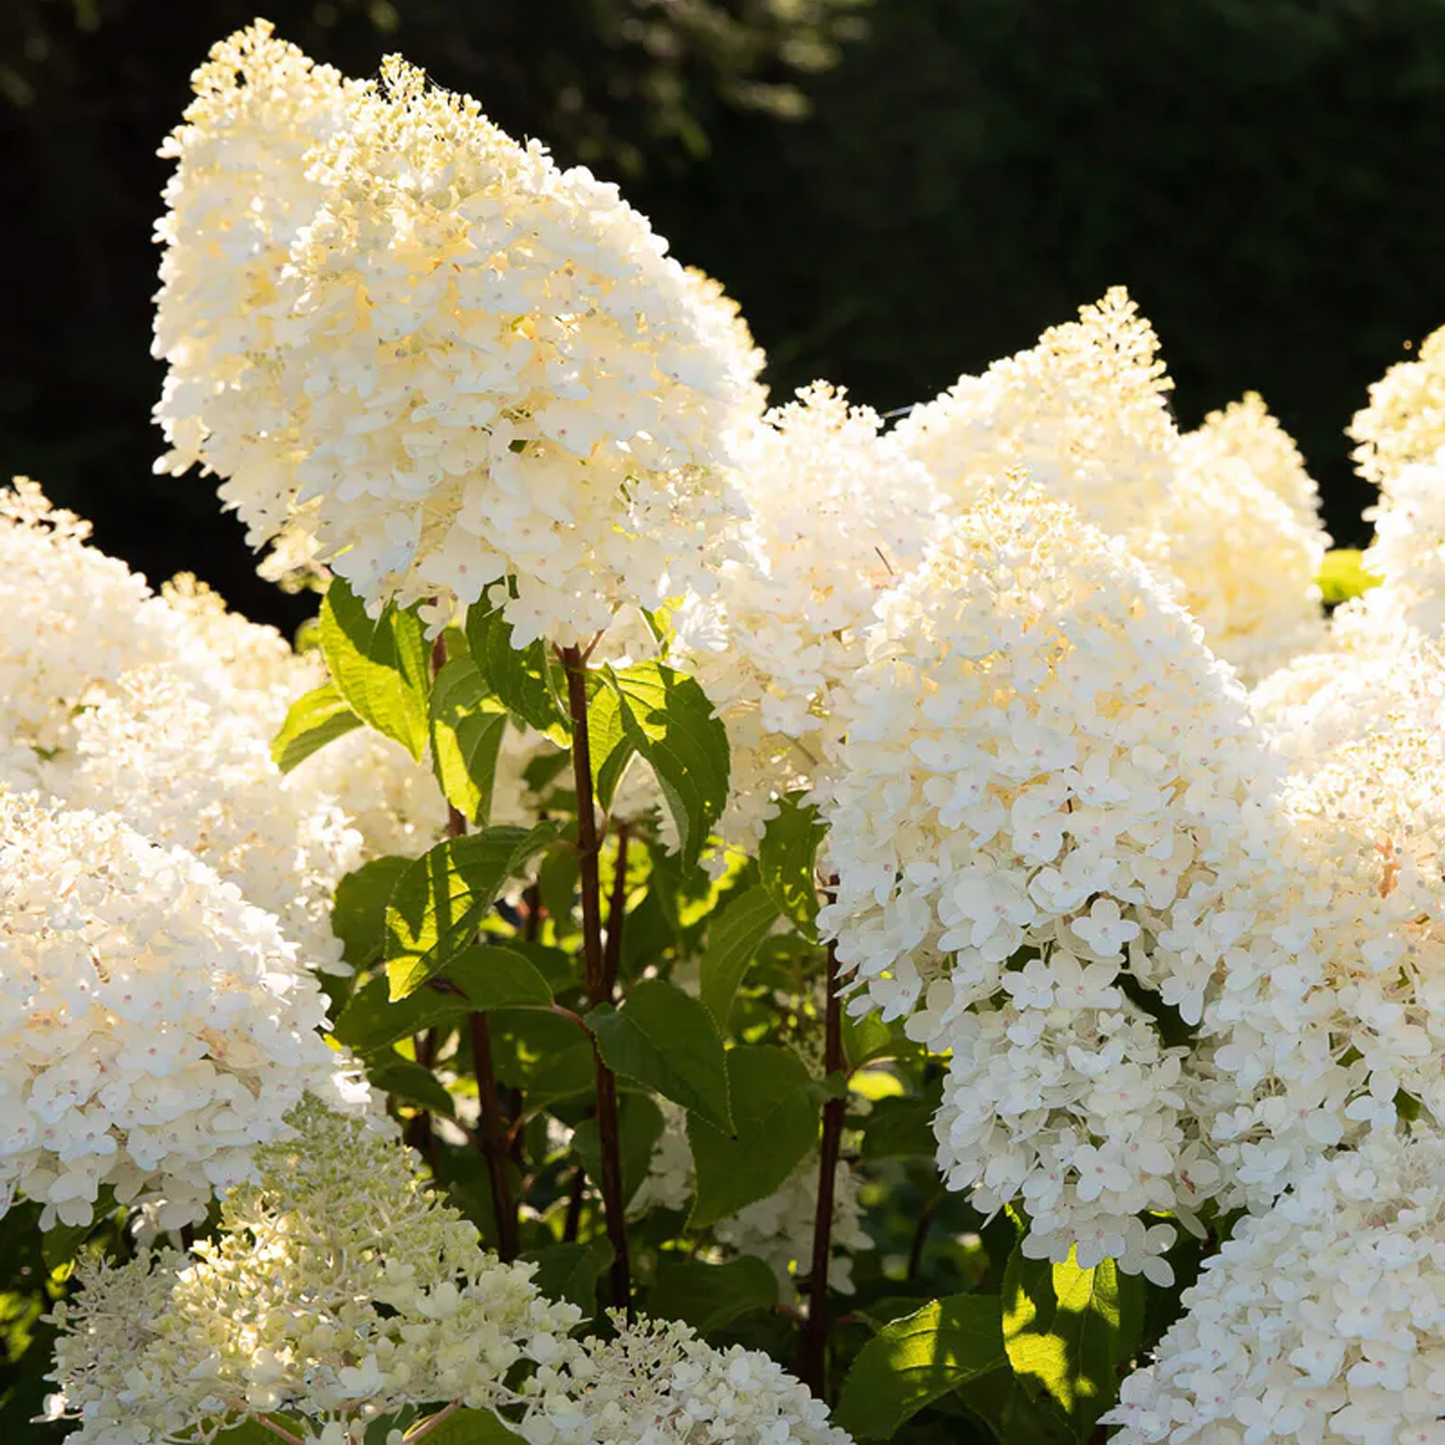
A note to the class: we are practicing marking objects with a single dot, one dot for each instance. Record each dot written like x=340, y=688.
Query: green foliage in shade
x=319, y=717
x=913, y=1361
x=786, y=858
x=639, y=1126
x=358, y=915
x=1068, y=1330
x=464, y=1427
x=775, y=1106
x=570, y=1270
x=711, y=1297
x=734, y=935
x=467, y=726
x=667, y=720
x=407, y=1080
x=1343, y=576
x=527, y=681
x=480, y=978
x=866, y=1038
x=666, y=1040
x=439, y=902
x=901, y=1127
x=248, y=1432
x=381, y=666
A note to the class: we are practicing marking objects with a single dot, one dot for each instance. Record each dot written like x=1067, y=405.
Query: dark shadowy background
x=896, y=191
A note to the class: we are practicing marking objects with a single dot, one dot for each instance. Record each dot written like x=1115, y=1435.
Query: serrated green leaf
x=524, y=679
x=358, y=913
x=440, y=901
x=467, y=728
x=666, y=1040
x=913, y=1361
x=733, y=937
x=394, y=1075
x=785, y=862
x=668, y=719
x=775, y=1106
x=380, y=665
x=570, y=1271
x=314, y=720
x=467, y=1427
x=480, y=978
x=1069, y=1329
x=711, y=1296
x=639, y=1126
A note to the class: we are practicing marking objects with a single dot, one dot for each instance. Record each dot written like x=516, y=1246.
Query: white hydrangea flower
x=1408, y=550
x=1084, y=411
x=71, y=621
x=1042, y=758
x=837, y=513
x=1318, y=1322
x=1245, y=565
x=415, y=1312
x=1247, y=431
x=1404, y=422
x=475, y=365
x=224, y=800
x=154, y=1027
x=660, y=1383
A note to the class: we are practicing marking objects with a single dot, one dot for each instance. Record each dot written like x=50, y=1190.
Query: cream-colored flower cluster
x=1227, y=514
x=837, y=512
x=474, y=364
x=1408, y=551
x=154, y=1027
x=1043, y=761
x=1321, y=1321
x=660, y=1383
x=1404, y=424
x=339, y=1289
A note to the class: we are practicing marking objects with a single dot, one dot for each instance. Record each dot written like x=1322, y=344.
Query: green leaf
x=358, y=915
x=865, y=1038
x=1343, y=576
x=639, y=1126
x=668, y=719
x=480, y=978
x=394, y=1075
x=61, y=1243
x=913, y=1361
x=570, y=1271
x=314, y=720
x=1070, y=1329
x=667, y=1041
x=733, y=937
x=785, y=862
x=775, y=1119
x=380, y=665
x=467, y=1427
x=467, y=726
x=523, y=679
x=711, y=1296
x=440, y=901
x=248, y=1432
x=900, y=1128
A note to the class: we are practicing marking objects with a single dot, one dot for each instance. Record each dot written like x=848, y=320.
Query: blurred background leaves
x=895, y=190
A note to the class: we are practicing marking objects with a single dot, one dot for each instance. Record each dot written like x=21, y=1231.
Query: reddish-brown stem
x=492, y=1137
x=573, y=1221
x=813, y=1348
x=920, y=1238
x=616, y=913
x=280, y=1430
x=598, y=990
x=427, y=1426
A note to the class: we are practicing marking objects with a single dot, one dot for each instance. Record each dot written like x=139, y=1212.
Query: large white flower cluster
x=1247, y=431
x=1405, y=420
x=1408, y=550
x=284, y=845
x=1084, y=412
x=1320, y=1321
x=339, y=1289
x=71, y=620
x=660, y=1383
x=1043, y=762
x=475, y=365
x=154, y=1027
x=837, y=512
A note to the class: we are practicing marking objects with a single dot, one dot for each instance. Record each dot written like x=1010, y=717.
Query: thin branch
x=598, y=992
x=573, y=1221
x=920, y=1237
x=427, y=1426
x=813, y=1348
x=266, y=1423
